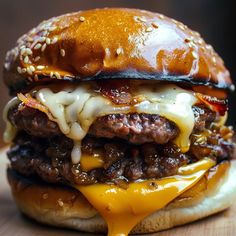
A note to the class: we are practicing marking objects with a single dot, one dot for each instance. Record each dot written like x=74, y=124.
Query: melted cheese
x=77, y=107
x=89, y=162
x=10, y=131
x=122, y=209
x=175, y=104
x=76, y=152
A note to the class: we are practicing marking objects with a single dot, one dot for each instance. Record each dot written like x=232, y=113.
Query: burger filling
x=125, y=140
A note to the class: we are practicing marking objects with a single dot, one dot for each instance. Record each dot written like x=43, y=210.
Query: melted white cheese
x=76, y=108
x=175, y=104
x=10, y=130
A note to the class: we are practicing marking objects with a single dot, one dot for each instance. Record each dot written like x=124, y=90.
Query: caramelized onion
x=29, y=101
x=218, y=105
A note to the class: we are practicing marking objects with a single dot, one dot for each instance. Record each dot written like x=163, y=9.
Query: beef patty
x=49, y=158
x=135, y=128
x=41, y=150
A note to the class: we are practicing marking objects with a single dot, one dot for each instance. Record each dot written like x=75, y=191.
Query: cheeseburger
x=117, y=123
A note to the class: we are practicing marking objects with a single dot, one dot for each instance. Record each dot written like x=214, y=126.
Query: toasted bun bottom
x=66, y=207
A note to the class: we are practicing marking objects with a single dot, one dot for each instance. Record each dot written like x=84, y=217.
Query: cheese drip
x=122, y=209
x=173, y=103
x=10, y=130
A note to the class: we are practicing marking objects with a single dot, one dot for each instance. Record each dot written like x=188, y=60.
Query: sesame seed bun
x=66, y=207
x=113, y=43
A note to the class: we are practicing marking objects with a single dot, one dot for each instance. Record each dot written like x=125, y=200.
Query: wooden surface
x=12, y=223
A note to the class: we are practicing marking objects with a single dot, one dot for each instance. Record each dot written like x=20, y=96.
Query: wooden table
x=12, y=223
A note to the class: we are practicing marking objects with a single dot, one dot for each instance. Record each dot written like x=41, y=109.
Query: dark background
x=214, y=19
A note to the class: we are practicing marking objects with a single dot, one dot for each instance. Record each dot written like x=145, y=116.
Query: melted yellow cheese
x=89, y=162
x=77, y=107
x=122, y=209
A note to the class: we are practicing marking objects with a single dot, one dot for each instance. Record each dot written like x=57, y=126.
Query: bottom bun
x=66, y=207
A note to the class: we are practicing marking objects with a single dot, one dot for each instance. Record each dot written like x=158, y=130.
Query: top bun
x=113, y=43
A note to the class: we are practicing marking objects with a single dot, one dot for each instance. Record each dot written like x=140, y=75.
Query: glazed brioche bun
x=106, y=44
x=113, y=44
x=66, y=206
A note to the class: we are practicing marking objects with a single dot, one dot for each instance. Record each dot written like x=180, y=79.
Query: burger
x=117, y=123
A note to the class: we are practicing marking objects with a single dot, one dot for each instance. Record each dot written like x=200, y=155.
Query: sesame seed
x=175, y=21
x=23, y=46
x=37, y=58
x=63, y=53
x=40, y=67
x=29, y=71
x=23, y=51
x=194, y=54
x=57, y=75
x=155, y=25
x=30, y=79
x=60, y=202
x=26, y=60
x=28, y=51
x=52, y=28
x=45, y=196
x=161, y=16
x=142, y=19
x=191, y=44
x=23, y=70
x=7, y=65
x=32, y=68
x=19, y=70
x=43, y=47
x=82, y=19
x=54, y=40
x=209, y=47
x=41, y=39
x=51, y=74
x=36, y=77
x=48, y=41
x=55, y=20
x=119, y=51
x=214, y=60
x=181, y=27
x=149, y=29
x=200, y=41
x=37, y=46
